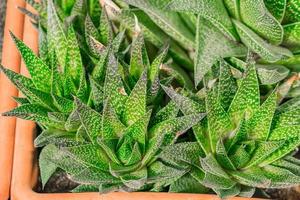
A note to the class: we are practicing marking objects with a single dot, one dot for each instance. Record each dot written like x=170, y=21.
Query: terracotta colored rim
x=25, y=171
x=10, y=59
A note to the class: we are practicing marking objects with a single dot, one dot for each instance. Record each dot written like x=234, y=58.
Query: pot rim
x=14, y=21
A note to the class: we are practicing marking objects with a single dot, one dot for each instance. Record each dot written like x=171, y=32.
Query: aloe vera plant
x=243, y=144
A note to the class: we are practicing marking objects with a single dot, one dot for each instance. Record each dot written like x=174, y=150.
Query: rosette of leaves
x=244, y=142
x=118, y=148
x=223, y=28
x=71, y=11
x=57, y=75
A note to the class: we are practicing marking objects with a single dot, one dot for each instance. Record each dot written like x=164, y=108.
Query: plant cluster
x=111, y=90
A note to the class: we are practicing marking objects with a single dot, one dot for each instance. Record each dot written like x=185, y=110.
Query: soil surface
x=58, y=183
x=285, y=194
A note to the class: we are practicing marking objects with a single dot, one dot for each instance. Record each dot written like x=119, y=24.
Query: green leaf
x=288, y=118
x=138, y=130
x=73, y=122
x=212, y=10
x=170, y=22
x=266, y=51
x=139, y=59
x=117, y=42
x=90, y=119
x=173, y=128
x=91, y=33
x=109, y=147
x=135, y=156
x=217, y=182
x=83, y=90
x=222, y=156
x=56, y=36
x=255, y=15
x=241, y=155
x=284, y=132
x=210, y=165
x=33, y=112
x=247, y=191
x=113, y=86
x=136, y=179
x=17, y=78
x=97, y=94
x=98, y=72
x=289, y=105
x=163, y=175
x=135, y=106
x=292, y=36
x=189, y=106
x=39, y=71
x=112, y=127
x=281, y=178
x=233, y=8
x=292, y=13
x=154, y=34
x=90, y=155
x=218, y=120
x=153, y=72
x=90, y=29
x=52, y=136
x=63, y=161
x=64, y=105
x=94, y=176
x=276, y=8
x=238, y=135
x=247, y=98
x=21, y=100
x=271, y=74
x=47, y=168
x=259, y=124
x=227, y=86
x=85, y=188
x=209, y=36
x=291, y=135
x=182, y=154
x=230, y=192
x=254, y=177
x=263, y=151
x=73, y=61
x=187, y=184
x=168, y=112
x=289, y=163
x=39, y=97
x=106, y=32
x=185, y=104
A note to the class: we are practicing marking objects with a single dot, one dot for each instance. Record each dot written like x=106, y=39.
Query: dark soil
x=58, y=183
x=285, y=194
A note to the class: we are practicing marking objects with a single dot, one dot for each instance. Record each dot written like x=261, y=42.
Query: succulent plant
x=224, y=28
x=55, y=77
x=243, y=144
x=104, y=126
x=97, y=90
x=117, y=148
x=60, y=72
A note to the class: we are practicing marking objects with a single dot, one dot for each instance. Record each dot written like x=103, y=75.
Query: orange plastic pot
x=10, y=59
x=25, y=170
